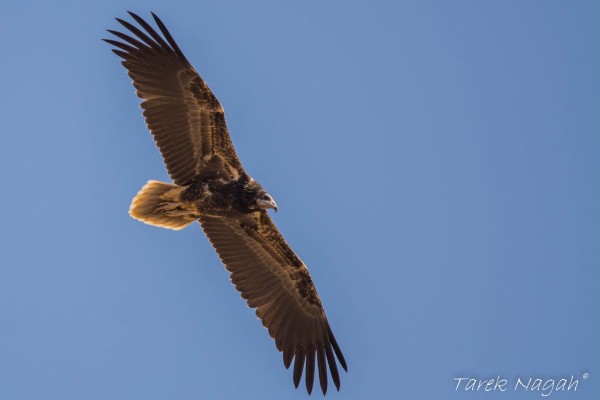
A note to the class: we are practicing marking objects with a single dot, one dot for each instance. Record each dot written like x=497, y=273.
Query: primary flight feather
x=210, y=186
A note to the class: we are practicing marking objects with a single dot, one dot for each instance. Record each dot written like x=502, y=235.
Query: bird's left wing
x=272, y=279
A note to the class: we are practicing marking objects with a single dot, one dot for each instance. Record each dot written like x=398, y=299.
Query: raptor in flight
x=211, y=186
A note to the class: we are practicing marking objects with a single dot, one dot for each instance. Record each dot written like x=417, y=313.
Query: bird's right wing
x=184, y=116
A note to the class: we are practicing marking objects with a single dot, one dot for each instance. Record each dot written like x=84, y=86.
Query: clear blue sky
x=436, y=164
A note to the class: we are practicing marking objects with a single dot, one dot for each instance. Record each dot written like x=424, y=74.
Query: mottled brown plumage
x=211, y=186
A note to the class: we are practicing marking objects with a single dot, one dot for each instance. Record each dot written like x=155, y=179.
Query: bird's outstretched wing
x=184, y=116
x=272, y=279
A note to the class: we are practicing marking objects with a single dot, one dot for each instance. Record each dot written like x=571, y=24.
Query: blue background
x=436, y=164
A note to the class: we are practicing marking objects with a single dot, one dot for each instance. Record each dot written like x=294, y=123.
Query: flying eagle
x=210, y=186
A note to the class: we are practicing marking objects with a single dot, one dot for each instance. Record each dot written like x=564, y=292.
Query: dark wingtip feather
x=120, y=53
x=298, y=366
x=167, y=35
x=147, y=40
x=288, y=355
x=122, y=21
x=149, y=29
x=332, y=367
x=156, y=17
x=120, y=45
x=338, y=351
x=310, y=369
x=134, y=15
x=322, y=369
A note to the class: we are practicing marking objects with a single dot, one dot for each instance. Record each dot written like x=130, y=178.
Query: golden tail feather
x=158, y=203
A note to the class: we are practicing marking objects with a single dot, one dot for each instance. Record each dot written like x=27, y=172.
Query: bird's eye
x=266, y=197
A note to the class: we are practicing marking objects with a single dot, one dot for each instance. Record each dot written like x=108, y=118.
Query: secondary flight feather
x=211, y=186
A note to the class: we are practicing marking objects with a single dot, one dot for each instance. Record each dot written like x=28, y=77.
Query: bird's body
x=211, y=186
x=217, y=197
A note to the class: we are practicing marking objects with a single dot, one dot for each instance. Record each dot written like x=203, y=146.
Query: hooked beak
x=264, y=204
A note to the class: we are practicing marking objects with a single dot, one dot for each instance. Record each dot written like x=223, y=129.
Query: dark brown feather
x=310, y=369
x=167, y=34
x=322, y=367
x=184, y=116
x=273, y=279
x=298, y=365
x=120, y=45
x=332, y=367
x=149, y=29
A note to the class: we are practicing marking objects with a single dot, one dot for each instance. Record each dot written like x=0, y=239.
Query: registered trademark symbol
x=586, y=375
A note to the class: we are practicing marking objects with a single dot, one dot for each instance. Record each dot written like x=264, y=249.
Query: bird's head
x=256, y=197
x=265, y=201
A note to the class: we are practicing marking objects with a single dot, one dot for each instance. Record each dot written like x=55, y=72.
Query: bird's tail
x=159, y=204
